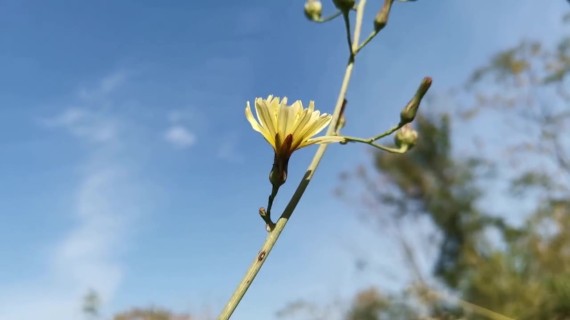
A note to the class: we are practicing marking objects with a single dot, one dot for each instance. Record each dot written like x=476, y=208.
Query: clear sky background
x=127, y=165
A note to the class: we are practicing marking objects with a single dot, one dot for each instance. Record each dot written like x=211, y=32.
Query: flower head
x=288, y=128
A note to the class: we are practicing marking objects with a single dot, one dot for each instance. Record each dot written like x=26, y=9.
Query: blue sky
x=128, y=166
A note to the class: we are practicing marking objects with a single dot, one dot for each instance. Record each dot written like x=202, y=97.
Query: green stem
x=274, y=234
x=357, y=29
x=269, y=225
x=379, y=23
x=368, y=39
x=370, y=142
x=266, y=215
x=346, y=19
x=388, y=132
x=329, y=18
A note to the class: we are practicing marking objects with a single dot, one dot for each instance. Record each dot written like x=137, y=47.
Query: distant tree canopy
x=92, y=305
x=370, y=304
x=428, y=180
x=520, y=271
x=527, y=276
x=150, y=314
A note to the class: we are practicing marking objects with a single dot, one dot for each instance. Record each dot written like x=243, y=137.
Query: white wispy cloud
x=86, y=118
x=86, y=257
x=104, y=205
x=178, y=132
x=84, y=123
x=179, y=136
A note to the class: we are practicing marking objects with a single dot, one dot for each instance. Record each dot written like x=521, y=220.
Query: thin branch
x=273, y=235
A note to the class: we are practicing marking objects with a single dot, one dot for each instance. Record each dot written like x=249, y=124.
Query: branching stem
x=370, y=142
x=329, y=18
x=274, y=234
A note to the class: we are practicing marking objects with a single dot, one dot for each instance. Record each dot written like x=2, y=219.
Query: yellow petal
x=314, y=126
x=255, y=125
x=322, y=139
x=265, y=118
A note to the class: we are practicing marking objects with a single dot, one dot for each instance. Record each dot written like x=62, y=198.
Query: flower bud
x=382, y=16
x=278, y=173
x=313, y=9
x=409, y=113
x=277, y=176
x=344, y=5
x=406, y=137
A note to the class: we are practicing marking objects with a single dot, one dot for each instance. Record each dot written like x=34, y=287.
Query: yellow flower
x=288, y=128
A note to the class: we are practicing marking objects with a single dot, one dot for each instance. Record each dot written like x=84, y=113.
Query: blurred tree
x=518, y=270
x=91, y=304
x=301, y=309
x=369, y=304
x=150, y=314
x=92, y=309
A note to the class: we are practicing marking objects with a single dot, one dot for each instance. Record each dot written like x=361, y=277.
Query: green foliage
x=430, y=181
x=527, y=277
x=531, y=179
x=369, y=304
x=530, y=279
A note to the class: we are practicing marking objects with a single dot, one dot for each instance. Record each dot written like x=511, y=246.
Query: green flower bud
x=382, y=16
x=313, y=10
x=278, y=173
x=409, y=113
x=344, y=5
x=406, y=137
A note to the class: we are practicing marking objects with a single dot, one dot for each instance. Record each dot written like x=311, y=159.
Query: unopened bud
x=409, y=113
x=344, y=5
x=406, y=137
x=382, y=17
x=277, y=176
x=313, y=9
x=278, y=173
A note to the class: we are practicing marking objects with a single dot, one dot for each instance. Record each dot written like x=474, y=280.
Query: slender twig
x=264, y=214
x=370, y=141
x=387, y=132
x=274, y=190
x=357, y=26
x=329, y=18
x=274, y=234
x=346, y=18
x=403, y=149
x=379, y=23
